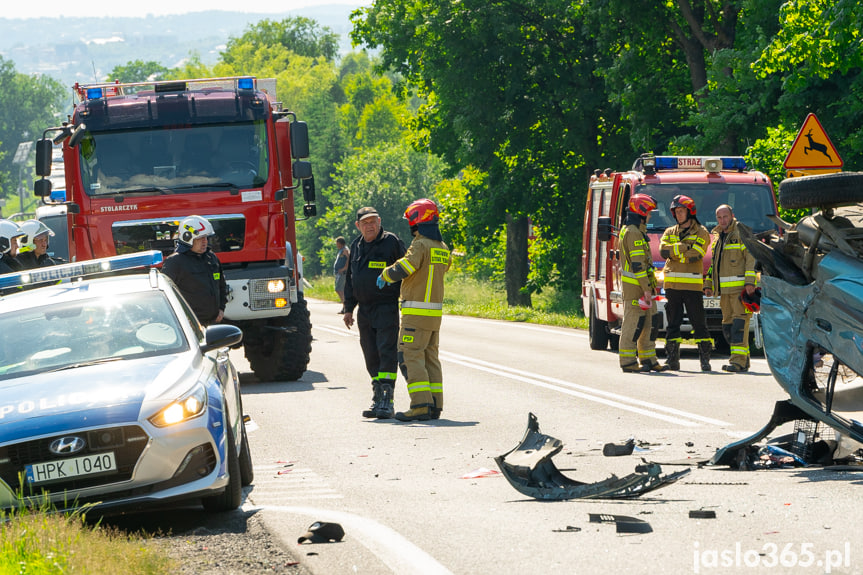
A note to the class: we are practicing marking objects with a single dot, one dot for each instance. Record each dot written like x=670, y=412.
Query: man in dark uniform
x=33, y=251
x=378, y=313
x=197, y=271
x=9, y=235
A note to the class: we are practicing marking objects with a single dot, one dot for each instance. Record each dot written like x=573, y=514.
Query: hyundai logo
x=67, y=445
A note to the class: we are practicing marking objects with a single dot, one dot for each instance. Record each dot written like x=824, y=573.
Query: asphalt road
x=419, y=498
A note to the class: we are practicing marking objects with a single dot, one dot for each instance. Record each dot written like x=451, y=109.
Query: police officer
x=421, y=272
x=9, y=235
x=378, y=311
x=732, y=274
x=683, y=246
x=33, y=248
x=638, y=333
x=197, y=271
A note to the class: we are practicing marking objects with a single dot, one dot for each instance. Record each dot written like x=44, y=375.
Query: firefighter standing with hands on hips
x=732, y=277
x=197, y=271
x=683, y=246
x=638, y=334
x=421, y=272
x=377, y=310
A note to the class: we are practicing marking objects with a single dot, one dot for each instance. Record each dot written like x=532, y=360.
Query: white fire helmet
x=8, y=231
x=32, y=229
x=194, y=227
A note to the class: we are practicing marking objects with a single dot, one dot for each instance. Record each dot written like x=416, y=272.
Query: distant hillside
x=87, y=49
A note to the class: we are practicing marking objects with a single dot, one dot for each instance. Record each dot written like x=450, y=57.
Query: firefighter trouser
x=637, y=336
x=694, y=303
x=735, y=328
x=378, y=325
x=419, y=363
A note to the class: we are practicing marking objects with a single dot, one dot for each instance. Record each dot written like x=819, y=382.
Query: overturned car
x=812, y=307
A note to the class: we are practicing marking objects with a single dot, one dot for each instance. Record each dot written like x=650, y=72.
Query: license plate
x=711, y=302
x=74, y=467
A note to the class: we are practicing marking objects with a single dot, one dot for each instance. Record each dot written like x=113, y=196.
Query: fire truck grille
x=260, y=298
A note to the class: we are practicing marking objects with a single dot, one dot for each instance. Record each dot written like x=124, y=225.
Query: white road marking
x=393, y=549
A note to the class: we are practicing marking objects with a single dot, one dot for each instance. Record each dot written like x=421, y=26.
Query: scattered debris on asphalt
x=702, y=514
x=322, y=532
x=623, y=523
x=529, y=469
x=568, y=529
x=616, y=449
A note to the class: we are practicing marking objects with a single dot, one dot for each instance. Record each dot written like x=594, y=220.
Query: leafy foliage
x=137, y=71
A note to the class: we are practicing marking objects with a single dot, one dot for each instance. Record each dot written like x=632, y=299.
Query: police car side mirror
x=221, y=335
x=604, y=228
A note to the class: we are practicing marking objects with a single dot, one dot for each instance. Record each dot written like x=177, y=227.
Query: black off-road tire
x=282, y=354
x=597, y=329
x=232, y=497
x=821, y=191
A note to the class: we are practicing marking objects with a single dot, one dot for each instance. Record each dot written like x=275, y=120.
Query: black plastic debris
x=321, y=532
x=529, y=469
x=702, y=514
x=568, y=529
x=623, y=523
x=616, y=449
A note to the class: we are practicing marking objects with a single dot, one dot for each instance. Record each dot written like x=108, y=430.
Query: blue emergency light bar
x=65, y=272
x=732, y=163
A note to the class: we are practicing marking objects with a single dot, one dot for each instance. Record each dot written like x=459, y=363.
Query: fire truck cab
x=710, y=181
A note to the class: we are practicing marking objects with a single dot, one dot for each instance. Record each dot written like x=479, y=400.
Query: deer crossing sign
x=812, y=151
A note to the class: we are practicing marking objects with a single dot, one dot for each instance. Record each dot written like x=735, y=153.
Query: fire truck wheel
x=282, y=355
x=597, y=329
x=821, y=191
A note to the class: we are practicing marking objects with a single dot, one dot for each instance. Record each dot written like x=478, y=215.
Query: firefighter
x=33, y=246
x=730, y=276
x=638, y=333
x=421, y=272
x=377, y=310
x=197, y=271
x=9, y=235
x=683, y=246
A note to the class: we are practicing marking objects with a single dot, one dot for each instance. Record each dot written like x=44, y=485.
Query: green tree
x=509, y=89
x=300, y=35
x=30, y=105
x=137, y=71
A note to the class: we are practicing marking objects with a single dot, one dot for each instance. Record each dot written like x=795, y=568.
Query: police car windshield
x=86, y=332
x=751, y=203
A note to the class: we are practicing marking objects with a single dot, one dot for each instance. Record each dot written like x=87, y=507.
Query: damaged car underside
x=812, y=307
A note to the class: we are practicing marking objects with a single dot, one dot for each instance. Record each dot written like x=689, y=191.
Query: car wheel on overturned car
x=231, y=498
x=821, y=191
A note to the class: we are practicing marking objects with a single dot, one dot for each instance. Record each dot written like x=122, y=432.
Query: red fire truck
x=710, y=181
x=139, y=157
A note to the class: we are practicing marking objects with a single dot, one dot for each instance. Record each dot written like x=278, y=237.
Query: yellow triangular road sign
x=812, y=148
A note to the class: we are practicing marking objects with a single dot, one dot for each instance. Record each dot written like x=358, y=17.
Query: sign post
x=812, y=151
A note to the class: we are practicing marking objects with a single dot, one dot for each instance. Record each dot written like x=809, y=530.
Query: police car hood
x=92, y=396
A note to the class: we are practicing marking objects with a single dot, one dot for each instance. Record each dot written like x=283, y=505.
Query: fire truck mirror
x=299, y=140
x=604, y=228
x=42, y=188
x=302, y=170
x=310, y=210
x=77, y=135
x=44, y=151
x=309, y=189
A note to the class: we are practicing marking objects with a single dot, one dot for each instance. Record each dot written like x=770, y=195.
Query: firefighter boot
x=672, y=355
x=384, y=407
x=376, y=398
x=421, y=404
x=704, y=348
x=437, y=396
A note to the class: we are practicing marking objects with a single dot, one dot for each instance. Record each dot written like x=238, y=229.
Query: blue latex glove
x=381, y=282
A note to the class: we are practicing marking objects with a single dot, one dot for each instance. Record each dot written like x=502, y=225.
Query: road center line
x=613, y=399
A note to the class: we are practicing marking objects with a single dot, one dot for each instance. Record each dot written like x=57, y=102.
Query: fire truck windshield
x=195, y=158
x=751, y=203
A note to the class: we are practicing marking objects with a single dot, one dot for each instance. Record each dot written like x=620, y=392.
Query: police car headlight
x=276, y=286
x=188, y=407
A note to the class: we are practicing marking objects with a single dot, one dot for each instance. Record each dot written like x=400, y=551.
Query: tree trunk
x=516, y=261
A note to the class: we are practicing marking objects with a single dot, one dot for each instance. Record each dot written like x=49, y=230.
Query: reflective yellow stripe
x=418, y=386
x=429, y=282
x=423, y=312
x=377, y=265
x=386, y=375
x=436, y=387
x=406, y=265
x=626, y=352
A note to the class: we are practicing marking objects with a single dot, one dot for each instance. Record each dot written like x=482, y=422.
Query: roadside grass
x=471, y=297
x=39, y=541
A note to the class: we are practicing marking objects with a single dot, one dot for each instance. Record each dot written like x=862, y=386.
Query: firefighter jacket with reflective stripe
x=636, y=262
x=421, y=272
x=368, y=260
x=684, y=250
x=733, y=266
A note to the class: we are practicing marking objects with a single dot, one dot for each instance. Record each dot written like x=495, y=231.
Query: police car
x=112, y=394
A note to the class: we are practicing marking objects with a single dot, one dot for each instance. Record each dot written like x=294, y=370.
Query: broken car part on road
x=529, y=468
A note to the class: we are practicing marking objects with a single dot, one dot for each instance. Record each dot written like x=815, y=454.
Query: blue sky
x=141, y=8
